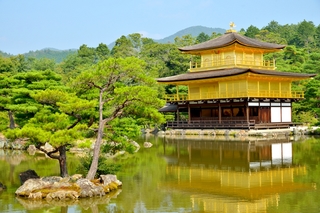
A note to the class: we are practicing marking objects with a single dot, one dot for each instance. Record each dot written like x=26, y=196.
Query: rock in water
x=26, y=175
x=108, y=179
x=2, y=187
x=30, y=186
x=147, y=144
x=89, y=189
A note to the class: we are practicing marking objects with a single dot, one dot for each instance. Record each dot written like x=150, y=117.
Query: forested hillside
x=54, y=54
x=302, y=54
x=48, y=53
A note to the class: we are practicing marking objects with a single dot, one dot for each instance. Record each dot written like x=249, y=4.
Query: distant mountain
x=194, y=31
x=6, y=55
x=60, y=55
x=50, y=53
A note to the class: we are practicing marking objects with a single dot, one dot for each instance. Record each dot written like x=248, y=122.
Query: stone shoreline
x=240, y=132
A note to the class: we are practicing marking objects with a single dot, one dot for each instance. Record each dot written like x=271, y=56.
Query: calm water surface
x=190, y=175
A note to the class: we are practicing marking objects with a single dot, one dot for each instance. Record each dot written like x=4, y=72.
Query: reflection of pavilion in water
x=232, y=176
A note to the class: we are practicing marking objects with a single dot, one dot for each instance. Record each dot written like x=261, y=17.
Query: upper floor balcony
x=230, y=62
x=234, y=94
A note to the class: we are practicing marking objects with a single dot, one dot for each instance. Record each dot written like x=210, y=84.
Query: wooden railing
x=235, y=94
x=225, y=124
x=232, y=62
x=211, y=124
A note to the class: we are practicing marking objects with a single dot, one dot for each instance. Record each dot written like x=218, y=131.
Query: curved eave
x=229, y=39
x=199, y=50
x=187, y=78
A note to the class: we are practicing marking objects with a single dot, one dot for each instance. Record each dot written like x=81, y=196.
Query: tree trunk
x=11, y=119
x=63, y=161
x=96, y=151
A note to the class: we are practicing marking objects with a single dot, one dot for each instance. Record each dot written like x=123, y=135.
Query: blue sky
x=64, y=24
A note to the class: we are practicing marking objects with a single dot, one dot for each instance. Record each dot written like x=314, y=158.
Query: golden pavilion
x=232, y=86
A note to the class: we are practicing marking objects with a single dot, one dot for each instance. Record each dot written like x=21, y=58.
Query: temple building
x=232, y=86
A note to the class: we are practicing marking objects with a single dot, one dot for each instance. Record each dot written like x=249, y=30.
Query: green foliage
x=185, y=40
x=104, y=166
x=310, y=106
x=317, y=131
x=52, y=123
x=123, y=48
x=117, y=84
x=102, y=52
x=116, y=144
x=6, y=65
x=43, y=64
x=202, y=37
x=305, y=31
x=271, y=37
x=127, y=85
x=87, y=54
x=273, y=27
x=252, y=31
x=306, y=118
x=85, y=144
x=126, y=126
x=17, y=90
x=4, y=120
x=312, y=65
x=181, y=90
x=119, y=133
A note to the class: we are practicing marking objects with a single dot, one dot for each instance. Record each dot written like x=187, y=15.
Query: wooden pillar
x=247, y=112
x=189, y=113
x=248, y=153
x=178, y=149
x=259, y=114
x=281, y=154
x=177, y=88
x=189, y=152
x=220, y=156
x=219, y=113
x=178, y=114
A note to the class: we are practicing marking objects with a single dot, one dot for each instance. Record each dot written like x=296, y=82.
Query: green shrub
x=104, y=166
x=85, y=144
x=316, y=132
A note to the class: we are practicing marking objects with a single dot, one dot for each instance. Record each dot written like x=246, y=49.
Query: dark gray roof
x=228, y=72
x=169, y=108
x=228, y=39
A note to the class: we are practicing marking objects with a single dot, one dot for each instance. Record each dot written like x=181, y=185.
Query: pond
x=189, y=174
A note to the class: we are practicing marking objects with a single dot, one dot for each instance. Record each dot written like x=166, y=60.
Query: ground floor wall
x=258, y=111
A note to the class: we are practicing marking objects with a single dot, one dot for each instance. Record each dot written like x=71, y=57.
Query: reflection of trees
x=9, y=160
x=12, y=163
x=141, y=176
